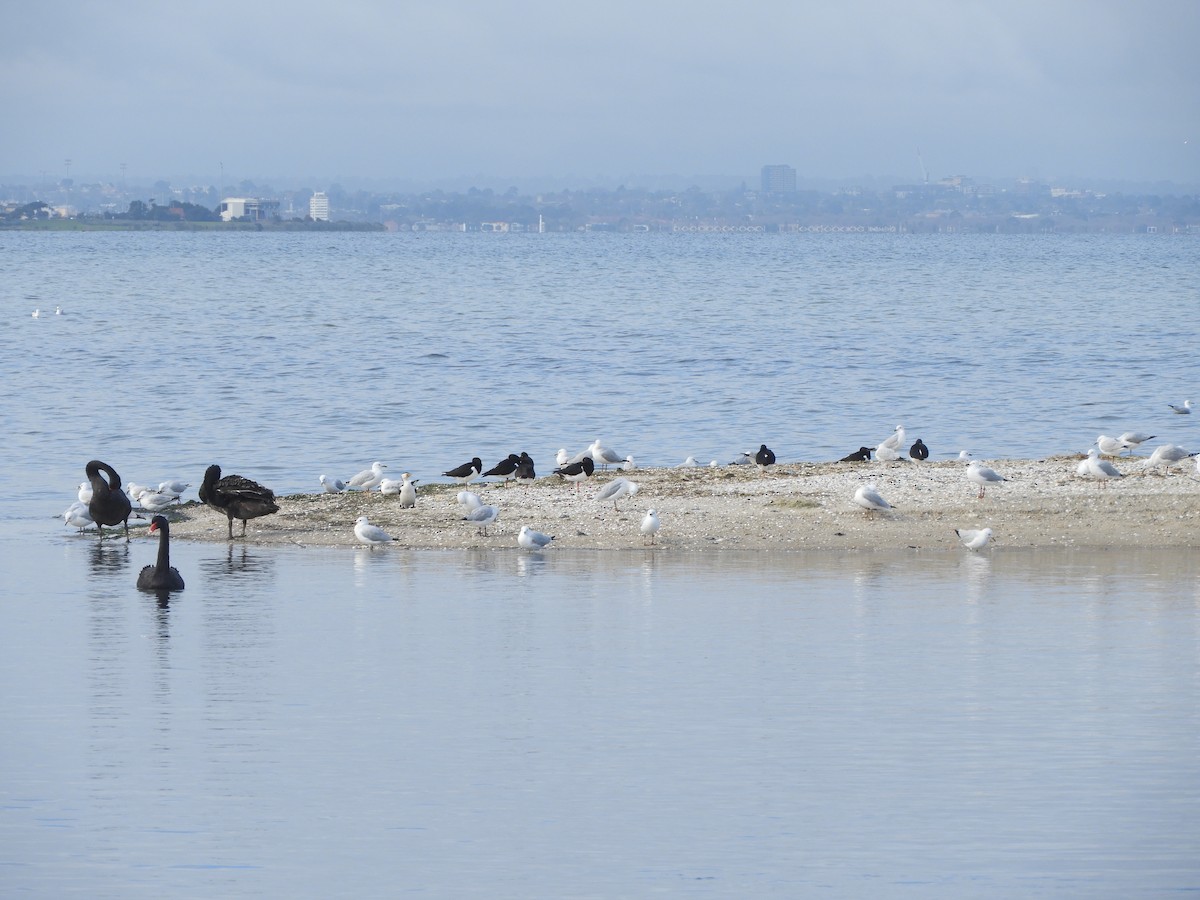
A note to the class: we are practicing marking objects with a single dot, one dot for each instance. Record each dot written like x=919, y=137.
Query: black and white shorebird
x=764, y=457
x=525, y=471
x=467, y=472
x=505, y=469
x=577, y=472
x=862, y=454
x=919, y=450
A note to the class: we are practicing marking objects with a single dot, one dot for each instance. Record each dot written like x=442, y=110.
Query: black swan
x=161, y=576
x=109, y=505
x=237, y=497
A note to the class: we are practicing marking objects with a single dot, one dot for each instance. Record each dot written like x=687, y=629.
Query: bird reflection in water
x=107, y=559
x=238, y=560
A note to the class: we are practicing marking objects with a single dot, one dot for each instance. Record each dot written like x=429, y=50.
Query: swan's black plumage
x=109, y=504
x=237, y=497
x=161, y=576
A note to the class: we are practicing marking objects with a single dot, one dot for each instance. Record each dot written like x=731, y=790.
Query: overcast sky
x=437, y=89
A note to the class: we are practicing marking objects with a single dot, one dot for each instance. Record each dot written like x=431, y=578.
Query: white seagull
x=1134, y=439
x=650, y=525
x=334, y=486
x=1110, y=446
x=153, y=501
x=370, y=534
x=1185, y=410
x=85, y=492
x=885, y=453
x=688, y=463
x=483, y=516
x=974, y=539
x=367, y=478
x=77, y=516
x=173, y=487
x=870, y=499
x=604, y=456
x=529, y=539
x=895, y=440
x=615, y=490
x=37, y=314
x=983, y=476
x=561, y=457
x=1166, y=456
x=469, y=500
x=1100, y=468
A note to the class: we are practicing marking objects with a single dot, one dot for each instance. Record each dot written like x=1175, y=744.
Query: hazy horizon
x=533, y=92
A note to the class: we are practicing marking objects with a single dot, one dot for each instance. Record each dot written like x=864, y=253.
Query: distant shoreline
x=796, y=506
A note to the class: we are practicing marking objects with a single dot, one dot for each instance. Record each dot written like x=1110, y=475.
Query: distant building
x=239, y=208
x=778, y=179
x=318, y=207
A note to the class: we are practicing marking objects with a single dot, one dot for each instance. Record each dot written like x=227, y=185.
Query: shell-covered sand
x=792, y=506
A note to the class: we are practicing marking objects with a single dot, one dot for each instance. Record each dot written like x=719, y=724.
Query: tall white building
x=318, y=207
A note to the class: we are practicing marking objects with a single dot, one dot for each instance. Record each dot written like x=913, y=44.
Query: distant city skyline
x=459, y=94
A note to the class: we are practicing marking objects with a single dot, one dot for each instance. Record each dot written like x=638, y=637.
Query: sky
x=627, y=90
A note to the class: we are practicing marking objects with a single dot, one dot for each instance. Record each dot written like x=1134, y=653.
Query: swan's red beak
x=153, y=526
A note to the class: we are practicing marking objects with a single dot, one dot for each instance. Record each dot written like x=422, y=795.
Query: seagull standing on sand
x=1166, y=456
x=650, y=525
x=870, y=499
x=529, y=539
x=370, y=534
x=615, y=490
x=467, y=472
x=483, y=516
x=367, y=478
x=1185, y=410
x=983, y=476
x=895, y=440
x=604, y=456
x=1110, y=446
x=562, y=457
x=974, y=539
x=332, y=486
x=1100, y=468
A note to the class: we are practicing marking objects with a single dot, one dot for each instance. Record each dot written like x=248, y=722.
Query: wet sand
x=794, y=506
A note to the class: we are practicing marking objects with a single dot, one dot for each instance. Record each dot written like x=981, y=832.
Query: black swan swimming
x=237, y=497
x=109, y=504
x=161, y=576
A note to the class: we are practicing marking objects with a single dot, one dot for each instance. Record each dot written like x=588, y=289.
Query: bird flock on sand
x=104, y=500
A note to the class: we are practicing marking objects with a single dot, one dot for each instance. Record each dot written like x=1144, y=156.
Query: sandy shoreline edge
x=793, y=506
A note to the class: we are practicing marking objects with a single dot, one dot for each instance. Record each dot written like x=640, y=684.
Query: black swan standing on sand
x=109, y=505
x=161, y=576
x=237, y=497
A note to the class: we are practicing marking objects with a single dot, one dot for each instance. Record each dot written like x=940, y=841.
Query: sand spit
x=793, y=506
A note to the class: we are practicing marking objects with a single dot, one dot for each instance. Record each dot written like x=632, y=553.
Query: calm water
x=348, y=723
